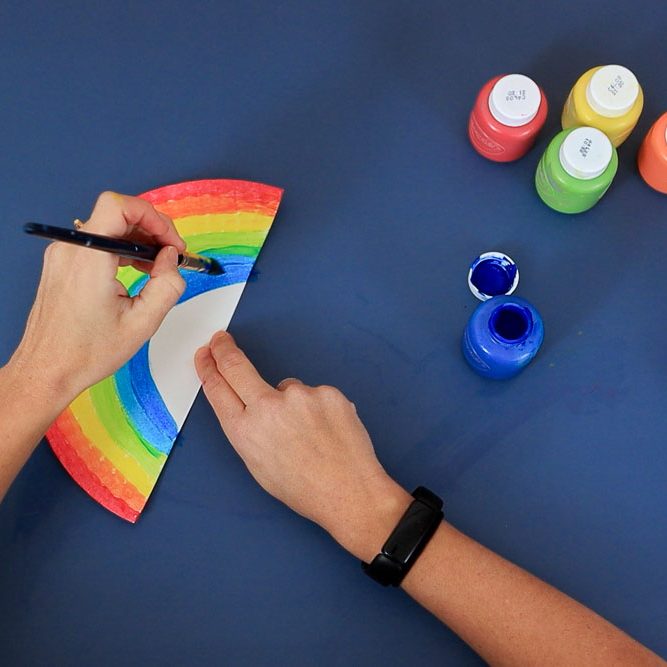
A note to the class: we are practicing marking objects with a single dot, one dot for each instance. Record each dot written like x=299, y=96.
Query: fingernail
x=172, y=254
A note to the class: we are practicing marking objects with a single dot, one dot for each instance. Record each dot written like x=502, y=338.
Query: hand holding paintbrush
x=138, y=253
x=79, y=285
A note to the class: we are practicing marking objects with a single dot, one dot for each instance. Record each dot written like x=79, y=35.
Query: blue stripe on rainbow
x=237, y=270
x=143, y=404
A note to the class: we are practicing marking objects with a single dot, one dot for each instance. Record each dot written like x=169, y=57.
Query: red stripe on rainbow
x=86, y=464
x=215, y=196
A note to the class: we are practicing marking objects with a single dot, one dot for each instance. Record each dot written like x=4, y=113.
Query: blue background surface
x=359, y=110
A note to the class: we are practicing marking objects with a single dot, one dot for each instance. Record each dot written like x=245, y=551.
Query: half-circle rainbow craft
x=114, y=438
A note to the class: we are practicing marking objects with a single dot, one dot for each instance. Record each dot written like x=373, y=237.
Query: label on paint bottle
x=612, y=91
x=585, y=153
x=514, y=100
x=491, y=146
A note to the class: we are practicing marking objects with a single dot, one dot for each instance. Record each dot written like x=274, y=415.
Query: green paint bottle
x=576, y=169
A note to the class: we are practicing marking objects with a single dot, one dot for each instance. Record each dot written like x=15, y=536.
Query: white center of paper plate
x=171, y=351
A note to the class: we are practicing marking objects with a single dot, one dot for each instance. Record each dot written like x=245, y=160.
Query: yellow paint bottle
x=607, y=97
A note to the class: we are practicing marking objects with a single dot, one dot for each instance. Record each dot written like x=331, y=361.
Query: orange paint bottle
x=652, y=156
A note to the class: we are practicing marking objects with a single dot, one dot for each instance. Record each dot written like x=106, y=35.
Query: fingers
x=283, y=384
x=237, y=370
x=117, y=215
x=224, y=401
x=161, y=292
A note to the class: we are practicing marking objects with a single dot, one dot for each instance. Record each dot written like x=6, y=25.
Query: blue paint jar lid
x=493, y=274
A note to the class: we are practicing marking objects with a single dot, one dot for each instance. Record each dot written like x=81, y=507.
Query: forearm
x=504, y=613
x=509, y=616
x=28, y=405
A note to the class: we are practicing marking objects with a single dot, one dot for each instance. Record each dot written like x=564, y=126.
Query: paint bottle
x=607, y=97
x=652, y=156
x=576, y=169
x=502, y=337
x=509, y=112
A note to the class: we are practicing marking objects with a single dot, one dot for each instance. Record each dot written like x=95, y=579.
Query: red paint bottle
x=509, y=112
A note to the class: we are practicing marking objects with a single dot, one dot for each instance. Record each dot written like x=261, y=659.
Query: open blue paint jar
x=493, y=274
x=505, y=332
x=502, y=337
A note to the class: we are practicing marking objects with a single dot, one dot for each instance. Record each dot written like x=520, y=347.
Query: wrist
x=364, y=529
x=39, y=385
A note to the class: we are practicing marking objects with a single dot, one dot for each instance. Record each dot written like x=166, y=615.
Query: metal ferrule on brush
x=199, y=263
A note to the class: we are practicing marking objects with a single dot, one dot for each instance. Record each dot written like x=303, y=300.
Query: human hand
x=83, y=325
x=304, y=445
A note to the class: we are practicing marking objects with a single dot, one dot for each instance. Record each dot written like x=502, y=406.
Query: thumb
x=160, y=294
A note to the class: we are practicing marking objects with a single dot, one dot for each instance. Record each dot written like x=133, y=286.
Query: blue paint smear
x=237, y=270
x=138, y=394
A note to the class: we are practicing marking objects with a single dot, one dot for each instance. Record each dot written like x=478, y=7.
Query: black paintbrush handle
x=120, y=247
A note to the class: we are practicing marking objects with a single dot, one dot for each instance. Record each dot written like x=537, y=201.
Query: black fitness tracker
x=407, y=540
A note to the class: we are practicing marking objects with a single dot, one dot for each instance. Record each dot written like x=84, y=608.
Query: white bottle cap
x=585, y=153
x=612, y=91
x=514, y=100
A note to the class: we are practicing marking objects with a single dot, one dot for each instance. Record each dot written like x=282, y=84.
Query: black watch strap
x=407, y=540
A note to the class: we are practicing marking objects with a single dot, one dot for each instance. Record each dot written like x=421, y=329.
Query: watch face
x=408, y=536
x=408, y=539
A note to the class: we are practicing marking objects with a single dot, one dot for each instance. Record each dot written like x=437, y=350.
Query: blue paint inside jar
x=493, y=276
x=510, y=323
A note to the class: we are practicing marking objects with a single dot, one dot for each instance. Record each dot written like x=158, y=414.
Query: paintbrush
x=121, y=247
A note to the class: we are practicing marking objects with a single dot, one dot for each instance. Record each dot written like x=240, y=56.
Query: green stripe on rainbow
x=114, y=439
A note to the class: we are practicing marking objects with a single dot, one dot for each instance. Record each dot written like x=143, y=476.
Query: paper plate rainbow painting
x=114, y=438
